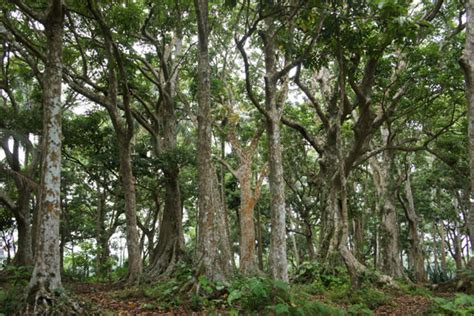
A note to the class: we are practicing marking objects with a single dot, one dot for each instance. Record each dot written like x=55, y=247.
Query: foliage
x=13, y=291
x=316, y=273
x=370, y=297
x=369, y=65
x=359, y=309
x=460, y=305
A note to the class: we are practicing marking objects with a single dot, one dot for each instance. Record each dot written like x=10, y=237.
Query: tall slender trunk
x=102, y=236
x=330, y=228
x=415, y=253
x=128, y=187
x=213, y=253
x=435, y=250
x=442, y=236
x=457, y=247
x=248, y=262
x=354, y=267
x=24, y=254
x=259, y=242
x=277, y=259
x=296, y=253
x=309, y=238
x=467, y=63
x=45, y=281
x=358, y=228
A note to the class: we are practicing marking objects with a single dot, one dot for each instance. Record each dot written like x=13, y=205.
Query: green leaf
x=281, y=309
x=234, y=295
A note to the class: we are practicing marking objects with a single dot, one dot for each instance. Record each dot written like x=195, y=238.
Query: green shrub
x=12, y=299
x=306, y=272
x=318, y=308
x=258, y=293
x=367, y=296
x=307, y=309
x=359, y=310
x=312, y=272
x=13, y=293
x=370, y=297
x=461, y=305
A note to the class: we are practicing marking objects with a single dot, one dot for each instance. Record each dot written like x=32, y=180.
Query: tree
x=248, y=195
x=162, y=125
x=467, y=63
x=23, y=173
x=272, y=109
x=213, y=253
x=45, y=284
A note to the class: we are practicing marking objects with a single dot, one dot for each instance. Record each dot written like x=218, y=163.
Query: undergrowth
x=460, y=305
x=12, y=291
x=313, y=291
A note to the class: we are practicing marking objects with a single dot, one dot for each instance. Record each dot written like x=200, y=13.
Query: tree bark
x=248, y=262
x=467, y=63
x=171, y=240
x=213, y=253
x=129, y=191
x=21, y=207
x=358, y=228
x=124, y=130
x=457, y=247
x=170, y=247
x=415, y=253
x=442, y=237
x=102, y=236
x=386, y=193
x=435, y=250
x=24, y=255
x=259, y=242
x=248, y=197
x=45, y=283
x=277, y=257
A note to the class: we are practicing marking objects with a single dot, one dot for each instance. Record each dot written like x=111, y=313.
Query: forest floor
x=107, y=299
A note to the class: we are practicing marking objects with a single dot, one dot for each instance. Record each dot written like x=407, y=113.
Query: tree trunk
x=277, y=257
x=386, y=193
x=309, y=239
x=170, y=241
x=457, y=247
x=354, y=267
x=389, y=241
x=467, y=63
x=358, y=228
x=442, y=236
x=128, y=187
x=259, y=242
x=330, y=226
x=435, y=250
x=45, y=283
x=102, y=237
x=248, y=198
x=24, y=255
x=415, y=253
x=213, y=253
x=170, y=247
x=248, y=262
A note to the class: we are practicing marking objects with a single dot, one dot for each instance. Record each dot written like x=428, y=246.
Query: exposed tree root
x=42, y=302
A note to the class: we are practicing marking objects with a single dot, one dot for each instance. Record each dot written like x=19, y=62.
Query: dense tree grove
x=258, y=139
